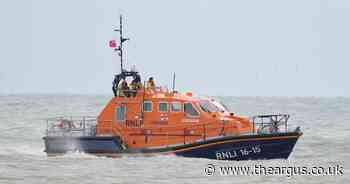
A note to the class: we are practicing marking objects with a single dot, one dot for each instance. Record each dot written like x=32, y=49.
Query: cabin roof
x=174, y=96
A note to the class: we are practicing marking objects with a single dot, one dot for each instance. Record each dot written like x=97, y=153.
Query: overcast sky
x=231, y=47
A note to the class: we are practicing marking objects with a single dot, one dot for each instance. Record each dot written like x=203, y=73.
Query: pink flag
x=112, y=44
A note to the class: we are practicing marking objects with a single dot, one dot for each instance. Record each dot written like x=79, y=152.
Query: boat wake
x=79, y=155
x=26, y=150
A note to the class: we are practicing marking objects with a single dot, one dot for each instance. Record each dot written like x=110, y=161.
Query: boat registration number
x=238, y=152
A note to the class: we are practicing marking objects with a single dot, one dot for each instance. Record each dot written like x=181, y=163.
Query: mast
x=121, y=41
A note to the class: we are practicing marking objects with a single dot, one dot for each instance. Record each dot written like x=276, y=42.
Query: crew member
x=151, y=84
x=115, y=85
x=124, y=90
x=135, y=84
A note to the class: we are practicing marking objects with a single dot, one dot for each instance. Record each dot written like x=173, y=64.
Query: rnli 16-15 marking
x=238, y=152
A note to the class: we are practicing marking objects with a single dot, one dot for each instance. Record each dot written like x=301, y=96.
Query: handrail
x=201, y=131
x=71, y=126
x=86, y=126
x=272, y=122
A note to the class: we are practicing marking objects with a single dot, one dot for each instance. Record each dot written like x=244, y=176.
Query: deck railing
x=270, y=124
x=86, y=126
x=71, y=126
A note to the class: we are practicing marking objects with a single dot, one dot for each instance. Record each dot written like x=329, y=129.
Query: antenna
x=174, y=81
x=121, y=41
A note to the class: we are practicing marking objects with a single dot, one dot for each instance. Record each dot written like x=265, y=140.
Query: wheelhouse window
x=221, y=106
x=147, y=106
x=120, y=113
x=207, y=106
x=176, y=107
x=163, y=107
x=190, y=110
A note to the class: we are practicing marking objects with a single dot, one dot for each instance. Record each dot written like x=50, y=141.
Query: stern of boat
x=78, y=134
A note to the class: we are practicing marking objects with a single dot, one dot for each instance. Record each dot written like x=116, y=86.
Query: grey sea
x=324, y=145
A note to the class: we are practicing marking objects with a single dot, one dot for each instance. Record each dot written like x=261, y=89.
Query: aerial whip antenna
x=174, y=76
x=121, y=41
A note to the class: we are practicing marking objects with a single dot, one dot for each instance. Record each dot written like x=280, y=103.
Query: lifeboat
x=150, y=120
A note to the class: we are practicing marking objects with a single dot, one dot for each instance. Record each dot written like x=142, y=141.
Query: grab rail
x=86, y=126
x=270, y=123
x=71, y=126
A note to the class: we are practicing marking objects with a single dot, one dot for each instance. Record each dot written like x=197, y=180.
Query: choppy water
x=324, y=121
